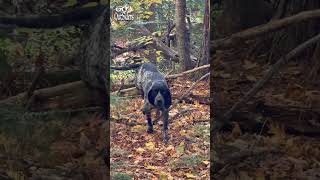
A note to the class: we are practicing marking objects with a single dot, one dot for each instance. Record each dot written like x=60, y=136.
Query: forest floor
x=57, y=146
x=271, y=151
x=139, y=155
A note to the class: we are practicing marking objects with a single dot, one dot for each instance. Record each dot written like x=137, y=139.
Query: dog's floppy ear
x=167, y=98
x=152, y=93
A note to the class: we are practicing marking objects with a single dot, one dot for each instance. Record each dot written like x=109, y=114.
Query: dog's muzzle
x=159, y=100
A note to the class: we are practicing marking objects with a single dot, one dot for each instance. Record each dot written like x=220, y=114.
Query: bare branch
x=72, y=17
x=241, y=37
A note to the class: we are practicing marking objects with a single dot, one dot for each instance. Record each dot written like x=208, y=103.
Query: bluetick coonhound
x=156, y=93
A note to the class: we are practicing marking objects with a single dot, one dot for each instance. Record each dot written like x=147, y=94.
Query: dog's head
x=159, y=95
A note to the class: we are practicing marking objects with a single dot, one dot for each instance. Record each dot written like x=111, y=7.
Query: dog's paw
x=166, y=138
x=150, y=130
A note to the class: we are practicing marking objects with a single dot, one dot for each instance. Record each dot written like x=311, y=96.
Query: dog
x=156, y=93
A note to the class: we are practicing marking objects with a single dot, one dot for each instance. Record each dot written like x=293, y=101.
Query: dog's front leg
x=165, y=125
x=147, y=111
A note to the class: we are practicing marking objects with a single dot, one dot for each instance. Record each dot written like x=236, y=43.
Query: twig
x=188, y=72
x=194, y=85
x=273, y=70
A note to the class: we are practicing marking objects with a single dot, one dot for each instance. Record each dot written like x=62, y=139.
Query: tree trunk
x=182, y=39
x=152, y=27
x=239, y=15
x=206, y=39
x=95, y=58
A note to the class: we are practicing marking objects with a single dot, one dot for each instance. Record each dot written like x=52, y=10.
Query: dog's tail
x=126, y=67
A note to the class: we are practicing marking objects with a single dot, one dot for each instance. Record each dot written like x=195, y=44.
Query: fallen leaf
x=251, y=78
x=189, y=175
x=150, y=145
x=206, y=162
x=170, y=150
x=140, y=150
x=249, y=65
x=236, y=131
x=151, y=167
x=180, y=148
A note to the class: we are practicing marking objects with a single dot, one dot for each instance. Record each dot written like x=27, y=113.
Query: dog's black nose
x=159, y=101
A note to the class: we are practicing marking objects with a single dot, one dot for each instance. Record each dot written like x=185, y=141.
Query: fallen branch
x=188, y=72
x=193, y=86
x=47, y=92
x=126, y=67
x=72, y=17
x=167, y=77
x=164, y=48
x=272, y=26
x=273, y=70
x=123, y=91
x=130, y=48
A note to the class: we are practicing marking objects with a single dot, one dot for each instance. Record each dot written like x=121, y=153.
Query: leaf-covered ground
x=275, y=150
x=139, y=155
x=54, y=147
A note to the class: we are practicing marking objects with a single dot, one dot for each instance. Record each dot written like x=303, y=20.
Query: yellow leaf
x=158, y=59
x=158, y=53
x=180, y=148
x=91, y=4
x=182, y=132
x=163, y=176
x=206, y=162
x=145, y=60
x=151, y=167
x=130, y=155
x=70, y=3
x=189, y=175
x=150, y=145
x=139, y=128
x=149, y=42
x=140, y=150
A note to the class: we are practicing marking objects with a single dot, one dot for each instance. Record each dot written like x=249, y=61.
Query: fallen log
x=52, y=78
x=295, y=120
x=47, y=92
x=240, y=37
x=164, y=48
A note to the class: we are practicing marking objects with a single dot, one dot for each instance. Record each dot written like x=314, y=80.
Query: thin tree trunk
x=182, y=39
x=152, y=28
x=206, y=39
x=95, y=58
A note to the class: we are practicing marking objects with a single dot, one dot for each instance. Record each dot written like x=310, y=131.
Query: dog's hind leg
x=165, y=125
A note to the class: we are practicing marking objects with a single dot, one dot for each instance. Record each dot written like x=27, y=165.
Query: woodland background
x=265, y=89
x=174, y=36
x=54, y=59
